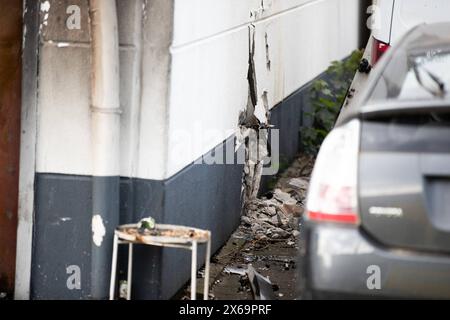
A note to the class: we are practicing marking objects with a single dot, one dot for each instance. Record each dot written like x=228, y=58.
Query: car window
x=415, y=76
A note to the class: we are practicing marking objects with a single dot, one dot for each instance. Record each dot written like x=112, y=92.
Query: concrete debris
x=265, y=226
x=246, y=220
x=277, y=233
x=275, y=216
x=298, y=183
x=267, y=241
x=294, y=210
x=261, y=286
x=233, y=270
x=284, y=198
x=250, y=273
x=249, y=258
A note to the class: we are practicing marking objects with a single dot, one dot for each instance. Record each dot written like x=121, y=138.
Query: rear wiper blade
x=438, y=91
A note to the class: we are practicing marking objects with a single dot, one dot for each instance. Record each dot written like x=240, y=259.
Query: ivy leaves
x=327, y=96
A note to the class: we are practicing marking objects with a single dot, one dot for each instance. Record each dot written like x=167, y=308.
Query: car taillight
x=332, y=195
x=378, y=49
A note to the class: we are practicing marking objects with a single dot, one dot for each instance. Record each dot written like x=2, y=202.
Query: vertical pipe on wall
x=105, y=117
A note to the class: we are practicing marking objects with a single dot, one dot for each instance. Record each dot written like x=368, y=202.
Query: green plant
x=327, y=96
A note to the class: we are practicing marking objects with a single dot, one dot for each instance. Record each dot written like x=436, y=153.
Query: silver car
x=377, y=221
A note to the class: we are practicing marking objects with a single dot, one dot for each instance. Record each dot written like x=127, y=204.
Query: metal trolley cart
x=163, y=235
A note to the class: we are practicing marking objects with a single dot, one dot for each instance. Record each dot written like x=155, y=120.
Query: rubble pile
x=263, y=251
x=275, y=216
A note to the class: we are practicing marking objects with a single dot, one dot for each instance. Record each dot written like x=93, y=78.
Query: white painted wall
x=194, y=57
x=210, y=61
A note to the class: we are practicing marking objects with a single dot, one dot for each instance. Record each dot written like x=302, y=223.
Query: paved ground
x=273, y=258
x=276, y=261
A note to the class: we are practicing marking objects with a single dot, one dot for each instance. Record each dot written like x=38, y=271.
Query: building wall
x=210, y=61
x=193, y=79
x=184, y=67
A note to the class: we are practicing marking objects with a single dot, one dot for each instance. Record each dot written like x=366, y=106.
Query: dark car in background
x=377, y=221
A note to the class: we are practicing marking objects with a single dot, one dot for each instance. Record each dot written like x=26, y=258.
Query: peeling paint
x=98, y=230
x=45, y=6
x=45, y=9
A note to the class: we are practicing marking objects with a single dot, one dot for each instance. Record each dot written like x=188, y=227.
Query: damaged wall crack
x=253, y=132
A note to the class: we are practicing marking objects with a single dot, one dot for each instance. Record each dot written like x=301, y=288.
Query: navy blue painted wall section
x=202, y=196
x=62, y=235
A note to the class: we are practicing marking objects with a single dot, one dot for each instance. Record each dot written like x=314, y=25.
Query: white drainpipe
x=105, y=87
x=105, y=140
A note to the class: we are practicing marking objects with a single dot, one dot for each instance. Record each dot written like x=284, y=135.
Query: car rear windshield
x=418, y=67
x=421, y=75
